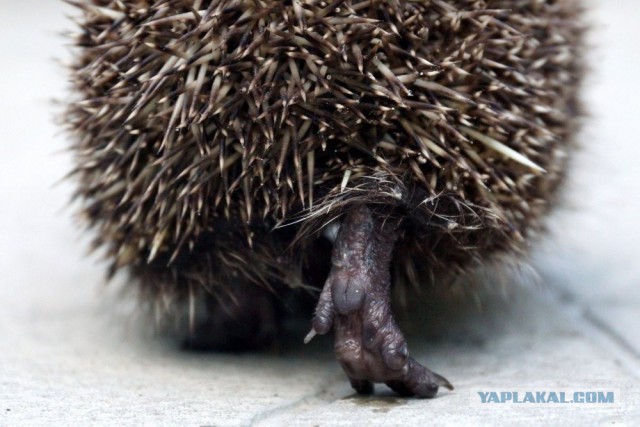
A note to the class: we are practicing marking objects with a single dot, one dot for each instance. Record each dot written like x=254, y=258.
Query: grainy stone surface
x=72, y=352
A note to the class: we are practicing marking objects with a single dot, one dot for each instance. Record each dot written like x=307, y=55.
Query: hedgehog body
x=215, y=140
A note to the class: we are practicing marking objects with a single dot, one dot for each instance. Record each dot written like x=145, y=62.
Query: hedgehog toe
x=418, y=381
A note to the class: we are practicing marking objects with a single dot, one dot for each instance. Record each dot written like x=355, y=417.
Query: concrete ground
x=72, y=352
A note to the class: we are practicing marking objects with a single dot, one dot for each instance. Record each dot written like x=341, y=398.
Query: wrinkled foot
x=355, y=301
x=242, y=320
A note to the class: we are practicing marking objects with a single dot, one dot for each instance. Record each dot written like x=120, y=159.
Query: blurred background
x=72, y=351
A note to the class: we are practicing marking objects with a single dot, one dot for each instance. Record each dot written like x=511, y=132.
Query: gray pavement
x=73, y=352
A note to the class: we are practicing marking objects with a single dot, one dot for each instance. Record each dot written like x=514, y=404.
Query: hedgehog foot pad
x=355, y=301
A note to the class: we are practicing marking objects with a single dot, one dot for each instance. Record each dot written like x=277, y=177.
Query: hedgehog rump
x=211, y=132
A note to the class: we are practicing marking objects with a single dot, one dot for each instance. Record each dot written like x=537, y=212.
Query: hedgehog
x=230, y=152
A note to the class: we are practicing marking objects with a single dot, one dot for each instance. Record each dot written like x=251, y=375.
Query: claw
x=312, y=333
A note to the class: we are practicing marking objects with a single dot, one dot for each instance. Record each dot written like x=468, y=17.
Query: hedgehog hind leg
x=242, y=319
x=355, y=301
